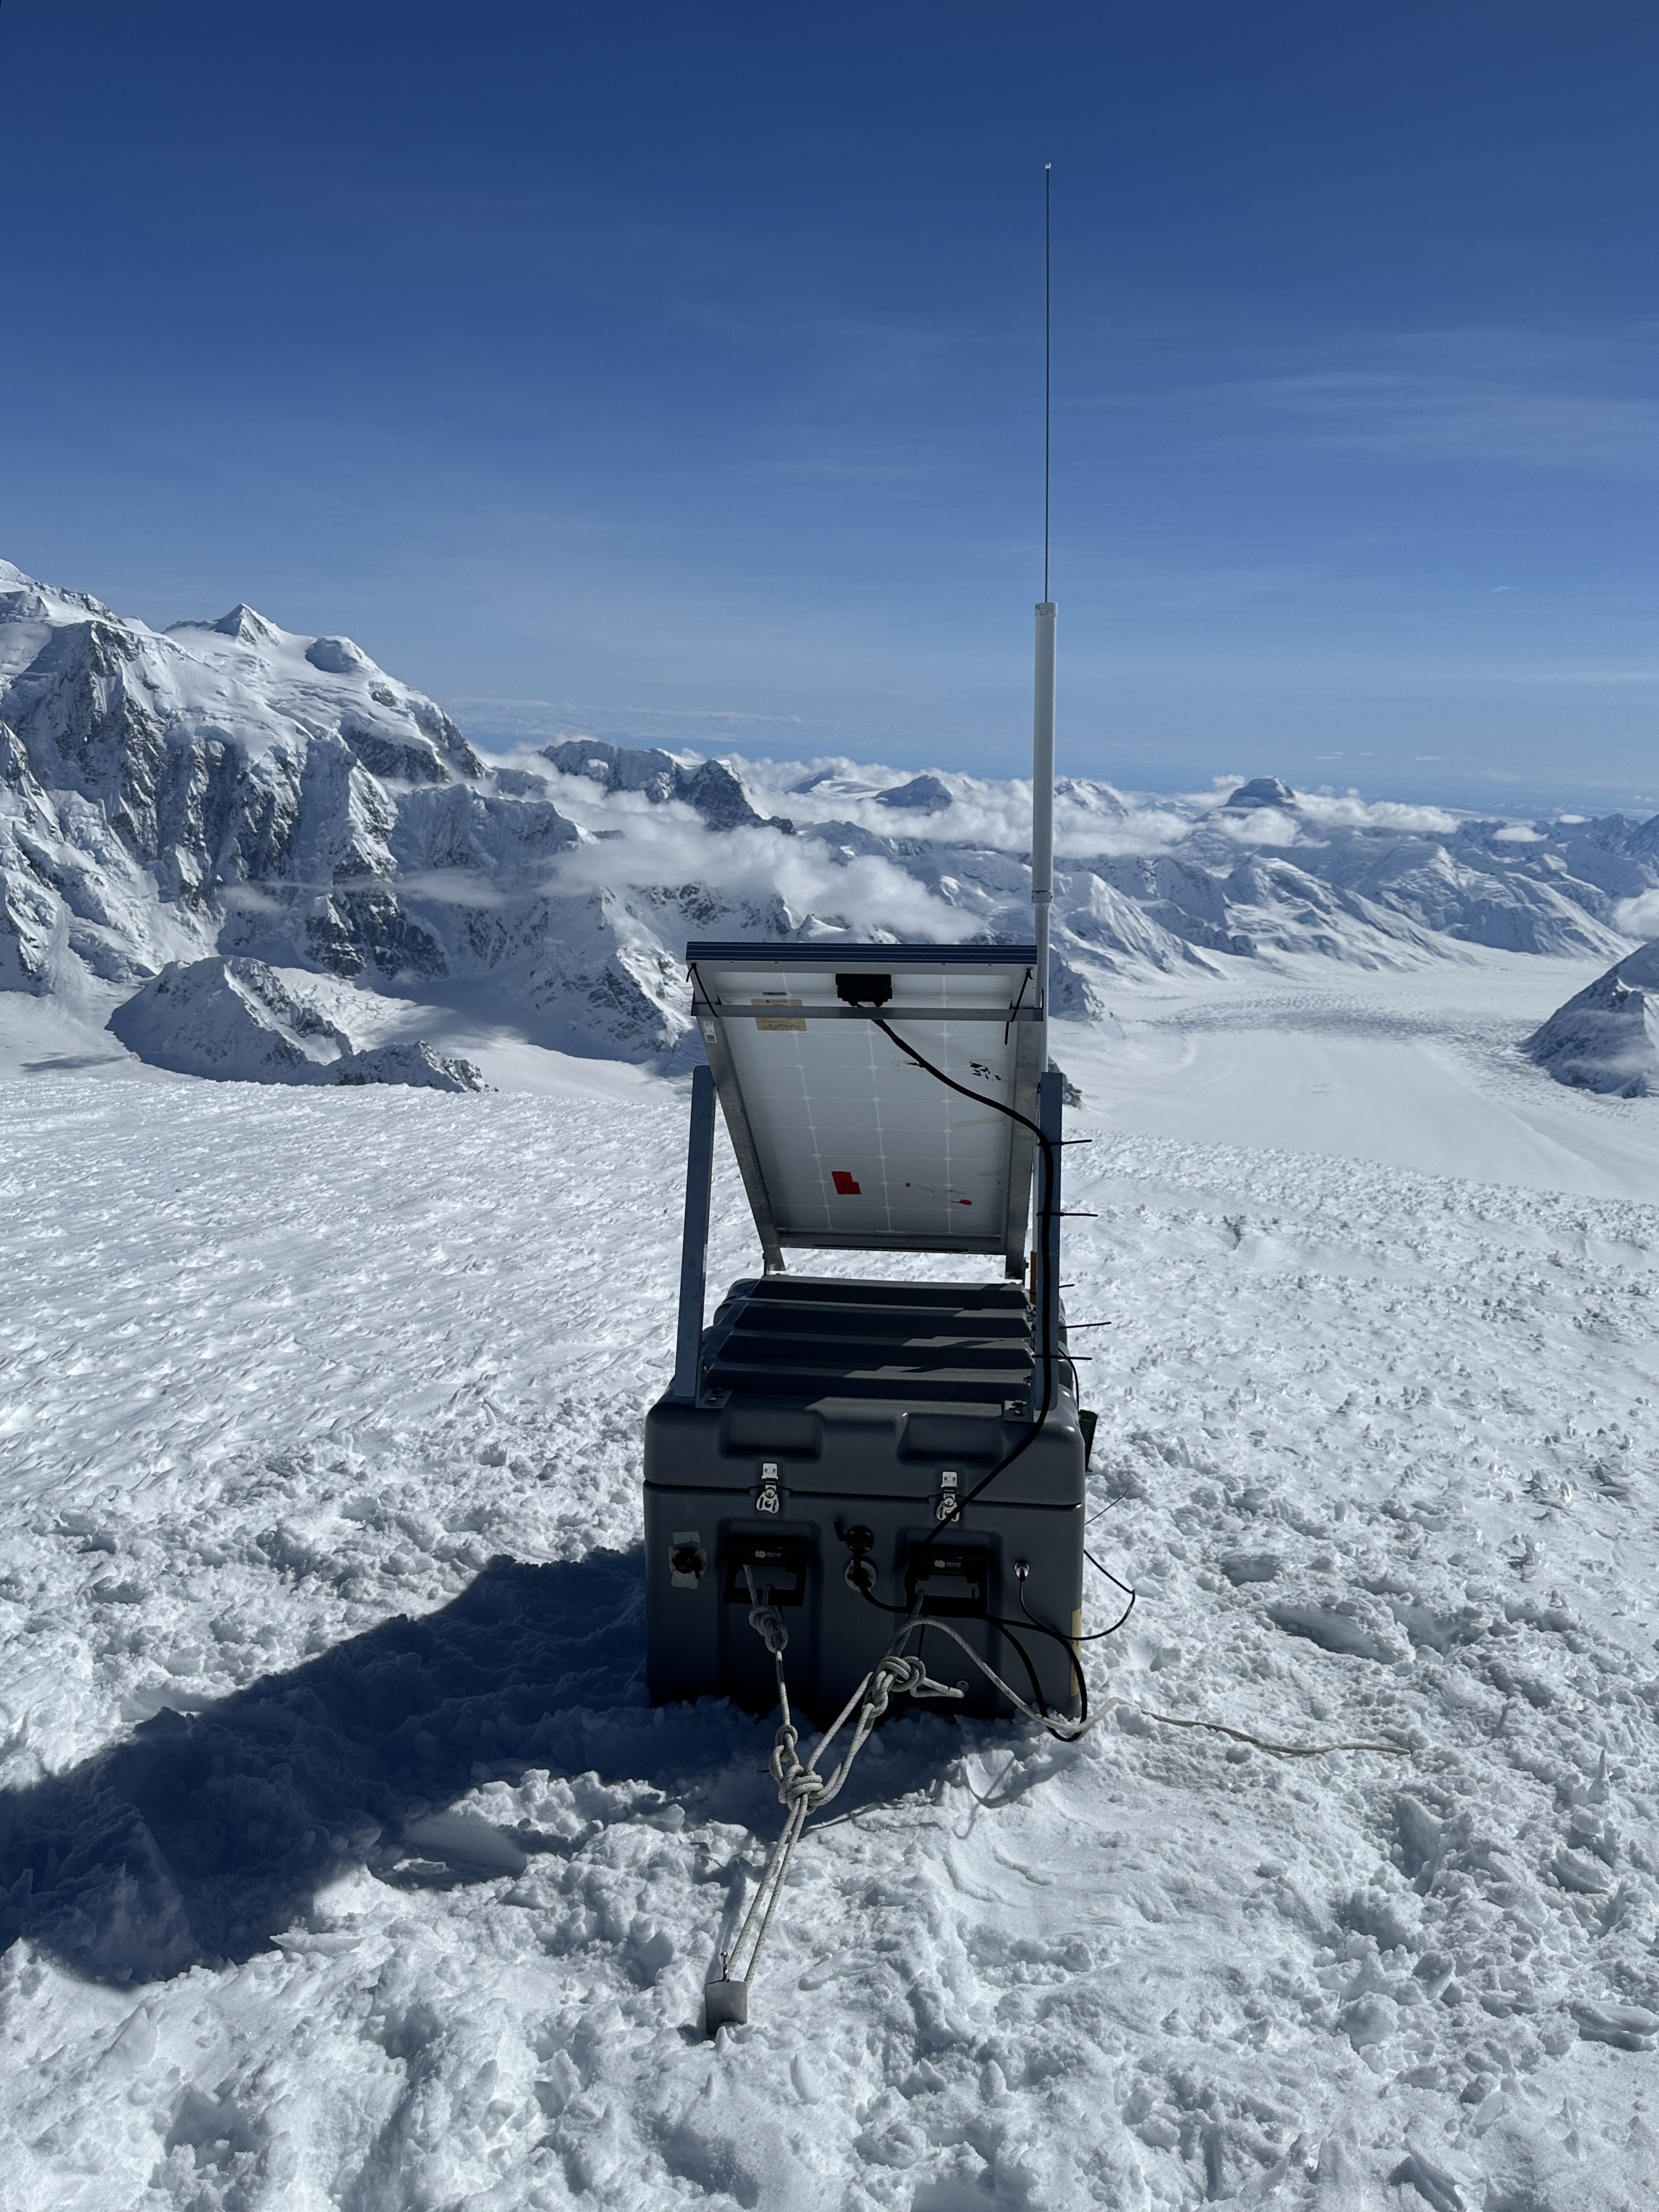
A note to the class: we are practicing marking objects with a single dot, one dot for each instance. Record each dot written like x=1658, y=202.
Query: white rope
x=1241, y=1736
x=1056, y=1723
x=802, y=1790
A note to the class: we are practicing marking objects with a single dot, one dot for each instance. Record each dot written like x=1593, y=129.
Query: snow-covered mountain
x=239, y=1021
x=232, y=789
x=1606, y=1036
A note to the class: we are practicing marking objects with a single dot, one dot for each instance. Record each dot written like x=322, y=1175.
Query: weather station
x=862, y=1491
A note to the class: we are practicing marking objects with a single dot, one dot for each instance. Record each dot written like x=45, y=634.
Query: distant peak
x=1261, y=791
x=243, y=622
x=926, y=793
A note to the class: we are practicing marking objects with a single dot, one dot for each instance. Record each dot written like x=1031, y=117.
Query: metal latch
x=947, y=1507
x=686, y=1560
x=768, y=1498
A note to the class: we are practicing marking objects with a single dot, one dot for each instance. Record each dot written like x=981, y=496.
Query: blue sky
x=677, y=371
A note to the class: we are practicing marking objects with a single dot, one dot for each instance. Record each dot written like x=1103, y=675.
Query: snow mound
x=241, y=1021
x=1606, y=1038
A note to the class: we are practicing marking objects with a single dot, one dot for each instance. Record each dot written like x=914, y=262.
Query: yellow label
x=783, y=1021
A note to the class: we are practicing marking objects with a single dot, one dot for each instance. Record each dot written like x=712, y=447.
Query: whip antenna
x=1042, y=716
x=1047, y=347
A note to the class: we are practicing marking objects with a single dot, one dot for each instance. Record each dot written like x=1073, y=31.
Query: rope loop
x=784, y=1753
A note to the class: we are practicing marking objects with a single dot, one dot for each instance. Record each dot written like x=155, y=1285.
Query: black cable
x=856, y=1581
x=1049, y=1355
x=1055, y=1636
x=1068, y=1644
x=1107, y=1571
x=1048, y=1352
x=1124, y=1587
x=1025, y=1661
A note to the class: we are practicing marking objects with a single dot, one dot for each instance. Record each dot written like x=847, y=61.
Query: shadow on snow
x=200, y=1838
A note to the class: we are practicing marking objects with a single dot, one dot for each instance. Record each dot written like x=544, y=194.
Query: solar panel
x=843, y=1141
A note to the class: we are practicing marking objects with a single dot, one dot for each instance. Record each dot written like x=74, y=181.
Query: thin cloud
x=1508, y=399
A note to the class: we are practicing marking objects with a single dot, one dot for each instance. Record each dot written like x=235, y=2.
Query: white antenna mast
x=1042, y=715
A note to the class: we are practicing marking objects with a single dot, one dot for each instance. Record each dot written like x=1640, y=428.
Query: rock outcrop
x=923, y=794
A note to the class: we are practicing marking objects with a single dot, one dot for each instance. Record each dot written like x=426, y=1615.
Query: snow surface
x=1429, y=1070
x=343, y=1862
x=351, y=1867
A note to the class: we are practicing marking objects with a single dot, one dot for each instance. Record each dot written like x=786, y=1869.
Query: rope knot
x=893, y=1677
x=803, y=1788
x=767, y=1624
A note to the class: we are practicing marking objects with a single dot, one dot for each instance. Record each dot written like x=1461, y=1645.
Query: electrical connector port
x=863, y=990
x=859, y=1574
x=952, y=1581
x=686, y=1560
x=777, y=1564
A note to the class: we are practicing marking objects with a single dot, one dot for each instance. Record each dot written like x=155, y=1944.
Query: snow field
x=348, y=1867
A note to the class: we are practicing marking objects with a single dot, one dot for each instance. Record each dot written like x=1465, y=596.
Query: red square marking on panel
x=844, y=1183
